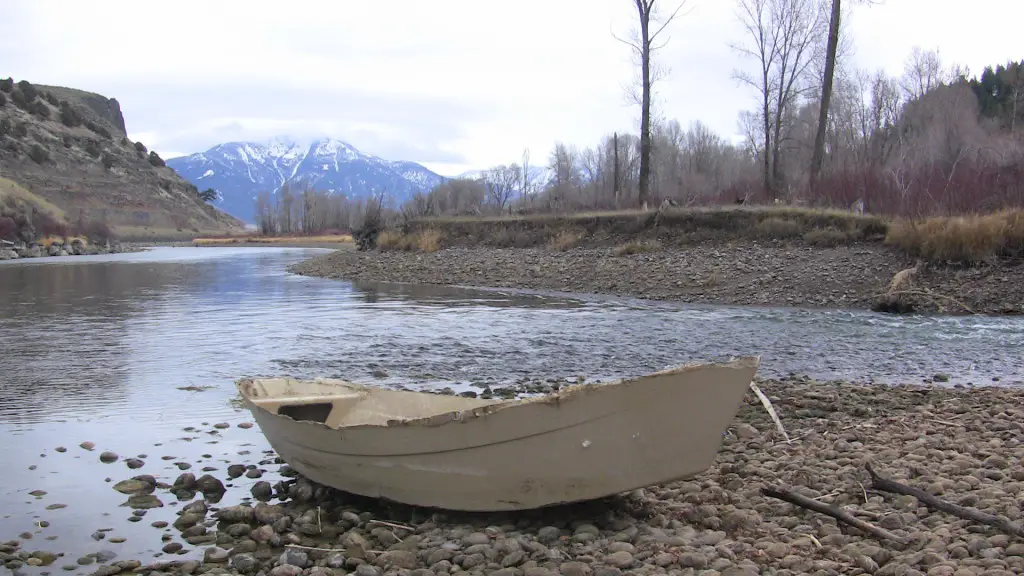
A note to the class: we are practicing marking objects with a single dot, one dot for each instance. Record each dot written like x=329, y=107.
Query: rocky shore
x=744, y=272
x=74, y=247
x=961, y=445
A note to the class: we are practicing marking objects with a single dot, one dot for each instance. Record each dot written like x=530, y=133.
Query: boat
x=583, y=442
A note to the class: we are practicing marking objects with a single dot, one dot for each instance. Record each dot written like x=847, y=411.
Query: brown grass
x=972, y=239
x=778, y=228
x=326, y=239
x=563, y=241
x=428, y=240
x=637, y=248
x=827, y=238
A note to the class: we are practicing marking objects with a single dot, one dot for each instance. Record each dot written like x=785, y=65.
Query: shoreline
x=744, y=272
x=963, y=446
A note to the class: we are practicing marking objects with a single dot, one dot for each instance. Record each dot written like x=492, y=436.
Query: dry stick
x=393, y=525
x=935, y=503
x=771, y=410
x=831, y=510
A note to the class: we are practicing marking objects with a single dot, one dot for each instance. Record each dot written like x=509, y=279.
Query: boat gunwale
x=564, y=394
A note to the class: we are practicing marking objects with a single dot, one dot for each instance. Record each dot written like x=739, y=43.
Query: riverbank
x=338, y=241
x=60, y=247
x=742, y=272
x=961, y=445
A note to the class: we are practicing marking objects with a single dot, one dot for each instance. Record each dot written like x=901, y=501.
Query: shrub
x=5, y=127
x=69, y=116
x=7, y=85
x=102, y=131
x=141, y=147
x=19, y=100
x=20, y=130
x=564, y=240
x=97, y=232
x=108, y=160
x=39, y=108
x=827, y=238
x=777, y=228
x=968, y=240
x=3, y=100
x=28, y=90
x=8, y=229
x=92, y=148
x=51, y=99
x=429, y=240
x=390, y=240
x=156, y=160
x=39, y=154
x=68, y=142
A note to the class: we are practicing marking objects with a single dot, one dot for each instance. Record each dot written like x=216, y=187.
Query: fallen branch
x=771, y=410
x=393, y=525
x=928, y=293
x=831, y=510
x=935, y=503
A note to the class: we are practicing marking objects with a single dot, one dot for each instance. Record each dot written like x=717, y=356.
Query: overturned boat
x=583, y=442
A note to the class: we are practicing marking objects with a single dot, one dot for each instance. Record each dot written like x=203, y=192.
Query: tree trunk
x=618, y=179
x=645, y=113
x=826, y=94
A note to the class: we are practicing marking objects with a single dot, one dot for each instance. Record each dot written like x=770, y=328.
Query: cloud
x=460, y=82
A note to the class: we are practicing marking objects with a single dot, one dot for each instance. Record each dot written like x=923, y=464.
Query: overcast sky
x=453, y=84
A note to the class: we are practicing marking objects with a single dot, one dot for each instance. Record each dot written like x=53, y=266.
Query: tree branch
x=833, y=511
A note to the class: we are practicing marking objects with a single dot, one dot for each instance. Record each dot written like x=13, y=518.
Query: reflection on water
x=127, y=350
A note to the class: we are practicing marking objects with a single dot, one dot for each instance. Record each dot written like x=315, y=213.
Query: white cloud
x=455, y=83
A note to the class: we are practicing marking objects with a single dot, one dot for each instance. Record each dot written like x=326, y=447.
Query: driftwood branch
x=836, y=512
x=928, y=293
x=935, y=503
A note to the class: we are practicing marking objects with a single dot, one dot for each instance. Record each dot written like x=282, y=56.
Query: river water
x=126, y=351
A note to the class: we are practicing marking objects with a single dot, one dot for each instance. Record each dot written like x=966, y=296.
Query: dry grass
x=827, y=238
x=323, y=239
x=972, y=239
x=637, y=248
x=563, y=241
x=11, y=189
x=51, y=239
x=775, y=227
x=428, y=240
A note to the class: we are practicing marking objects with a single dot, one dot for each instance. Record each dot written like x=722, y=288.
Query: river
x=127, y=351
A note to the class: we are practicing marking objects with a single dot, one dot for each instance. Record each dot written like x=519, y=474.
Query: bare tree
x=502, y=182
x=644, y=47
x=786, y=40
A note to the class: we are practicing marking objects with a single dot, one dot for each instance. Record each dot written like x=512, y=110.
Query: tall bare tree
x=785, y=39
x=644, y=46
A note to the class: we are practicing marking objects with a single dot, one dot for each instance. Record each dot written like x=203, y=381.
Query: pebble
x=108, y=457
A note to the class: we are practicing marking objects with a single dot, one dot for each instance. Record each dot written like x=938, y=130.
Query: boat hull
x=583, y=443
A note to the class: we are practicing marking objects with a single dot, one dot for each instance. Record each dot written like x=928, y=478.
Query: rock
x=132, y=486
x=143, y=501
x=215, y=555
x=574, y=569
x=87, y=445
x=253, y=473
x=210, y=485
x=186, y=481
x=134, y=463
x=236, y=514
x=295, y=558
x=745, y=431
x=399, y=558
x=620, y=559
x=693, y=560
x=108, y=457
x=262, y=491
x=245, y=425
x=548, y=534
x=172, y=548
x=244, y=563
x=288, y=570
x=235, y=470
x=221, y=425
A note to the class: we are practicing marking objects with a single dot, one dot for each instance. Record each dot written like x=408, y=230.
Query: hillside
x=69, y=149
x=238, y=171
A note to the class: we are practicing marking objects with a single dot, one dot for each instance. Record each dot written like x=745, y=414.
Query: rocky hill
x=239, y=171
x=70, y=151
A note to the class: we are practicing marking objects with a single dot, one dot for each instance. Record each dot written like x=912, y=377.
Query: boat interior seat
x=327, y=409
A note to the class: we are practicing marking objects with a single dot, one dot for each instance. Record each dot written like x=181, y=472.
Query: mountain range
x=239, y=171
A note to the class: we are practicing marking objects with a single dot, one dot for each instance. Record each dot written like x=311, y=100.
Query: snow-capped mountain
x=239, y=171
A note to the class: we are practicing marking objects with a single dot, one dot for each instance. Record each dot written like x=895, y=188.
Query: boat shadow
x=333, y=502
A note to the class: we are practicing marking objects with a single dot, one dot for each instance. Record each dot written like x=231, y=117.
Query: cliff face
x=70, y=148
